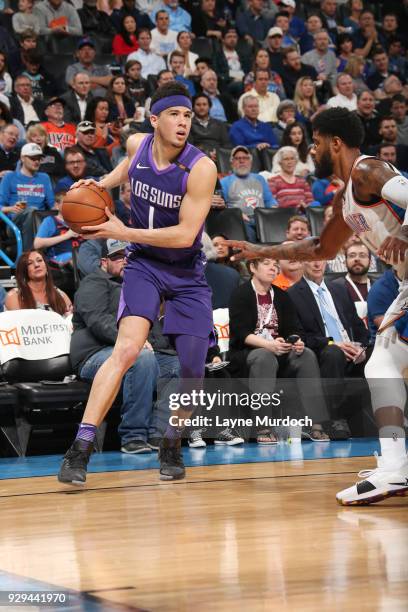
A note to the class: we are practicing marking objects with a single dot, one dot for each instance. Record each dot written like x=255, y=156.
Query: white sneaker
x=378, y=484
x=195, y=440
x=229, y=437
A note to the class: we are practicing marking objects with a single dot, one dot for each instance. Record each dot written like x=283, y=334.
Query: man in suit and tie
x=331, y=329
x=77, y=98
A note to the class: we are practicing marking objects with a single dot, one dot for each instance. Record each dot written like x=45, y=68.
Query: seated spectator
x=151, y=62
x=262, y=317
x=332, y=329
x=389, y=133
x=93, y=339
x=296, y=24
x=107, y=134
x=77, y=98
x=282, y=22
x=286, y=115
x=399, y=113
x=164, y=76
x=329, y=17
x=100, y=75
x=6, y=118
x=290, y=272
x=245, y=190
x=251, y=132
x=184, y=44
x=51, y=162
x=231, y=63
x=369, y=118
x=222, y=105
x=392, y=87
x=324, y=189
x=207, y=133
x=295, y=136
x=137, y=86
x=306, y=100
x=60, y=134
x=251, y=24
x=120, y=103
x=74, y=169
x=344, y=51
x=176, y=63
x=273, y=45
x=263, y=62
x=164, y=40
x=356, y=280
x=380, y=297
x=94, y=21
x=25, y=19
x=9, y=149
x=321, y=58
x=293, y=69
x=389, y=27
x=345, y=97
x=26, y=190
x=382, y=70
x=222, y=280
x=366, y=37
x=122, y=206
x=23, y=105
x=43, y=83
x=356, y=68
x=398, y=63
x=126, y=41
x=388, y=153
x=298, y=228
x=6, y=83
x=313, y=24
x=58, y=18
x=179, y=18
x=289, y=190
x=268, y=102
x=128, y=8
x=54, y=237
x=27, y=40
x=7, y=42
x=90, y=255
x=224, y=254
x=97, y=159
x=353, y=20
x=208, y=20
x=35, y=287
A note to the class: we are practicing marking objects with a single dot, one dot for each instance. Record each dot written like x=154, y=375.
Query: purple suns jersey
x=156, y=197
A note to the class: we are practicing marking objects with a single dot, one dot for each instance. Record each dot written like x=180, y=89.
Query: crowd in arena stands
x=76, y=80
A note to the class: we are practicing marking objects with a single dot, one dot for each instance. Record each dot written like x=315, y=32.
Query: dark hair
x=205, y=60
x=158, y=13
x=124, y=33
x=202, y=95
x=379, y=51
x=141, y=32
x=287, y=50
x=390, y=14
x=183, y=32
x=4, y=54
x=174, y=88
x=5, y=113
x=302, y=149
x=227, y=29
x=342, y=123
x=258, y=70
x=364, y=91
x=282, y=14
x=29, y=33
x=398, y=98
x=110, y=95
x=74, y=150
x=358, y=244
x=299, y=218
x=91, y=107
x=176, y=53
x=130, y=63
x=385, y=118
x=342, y=38
x=25, y=295
x=32, y=56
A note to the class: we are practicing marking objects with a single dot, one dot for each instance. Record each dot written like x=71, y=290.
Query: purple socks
x=86, y=435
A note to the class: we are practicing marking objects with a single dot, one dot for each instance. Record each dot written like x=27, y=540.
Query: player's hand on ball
x=113, y=228
x=393, y=249
x=242, y=249
x=85, y=182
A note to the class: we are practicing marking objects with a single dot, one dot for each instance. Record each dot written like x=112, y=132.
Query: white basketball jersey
x=373, y=222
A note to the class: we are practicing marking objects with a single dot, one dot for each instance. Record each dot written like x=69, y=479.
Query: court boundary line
x=161, y=483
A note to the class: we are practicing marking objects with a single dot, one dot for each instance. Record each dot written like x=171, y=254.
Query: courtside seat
x=8, y=410
x=228, y=222
x=271, y=224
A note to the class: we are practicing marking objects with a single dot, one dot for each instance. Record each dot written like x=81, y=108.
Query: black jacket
x=213, y=136
x=17, y=110
x=9, y=161
x=311, y=320
x=72, y=114
x=290, y=77
x=98, y=162
x=243, y=313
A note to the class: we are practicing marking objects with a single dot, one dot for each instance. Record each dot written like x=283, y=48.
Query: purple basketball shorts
x=187, y=297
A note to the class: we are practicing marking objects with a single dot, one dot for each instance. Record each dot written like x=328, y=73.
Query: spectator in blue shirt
x=249, y=131
x=55, y=237
x=251, y=24
x=180, y=20
x=296, y=25
x=246, y=190
x=177, y=63
x=26, y=190
x=379, y=299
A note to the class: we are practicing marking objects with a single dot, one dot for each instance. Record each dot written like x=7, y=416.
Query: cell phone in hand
x=292, y=339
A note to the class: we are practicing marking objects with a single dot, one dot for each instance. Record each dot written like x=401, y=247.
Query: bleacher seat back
x=63, y=45
x=315, y=215
x=202, y=46
x=271, y=223
x=228, y=222
x=34, y=345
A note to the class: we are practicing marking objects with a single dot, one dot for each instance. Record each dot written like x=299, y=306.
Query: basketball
x=85, y=205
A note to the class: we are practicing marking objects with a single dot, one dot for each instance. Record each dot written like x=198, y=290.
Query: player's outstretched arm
x=193, y=211
x=332, y=238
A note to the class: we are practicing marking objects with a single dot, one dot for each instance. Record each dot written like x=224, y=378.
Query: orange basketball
x=85, y=205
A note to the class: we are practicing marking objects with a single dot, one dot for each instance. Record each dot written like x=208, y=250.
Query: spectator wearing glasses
x=23, y=105
x=75, y=169
x=97, y=159
x=9, y=149
x=61, y=135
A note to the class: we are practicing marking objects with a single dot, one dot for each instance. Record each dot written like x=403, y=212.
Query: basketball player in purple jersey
x=172, y=185
x=373, y=204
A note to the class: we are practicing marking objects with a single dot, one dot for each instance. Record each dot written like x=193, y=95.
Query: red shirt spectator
x=125, y=42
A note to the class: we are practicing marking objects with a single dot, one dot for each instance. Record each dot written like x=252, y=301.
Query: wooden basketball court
x=253, y=536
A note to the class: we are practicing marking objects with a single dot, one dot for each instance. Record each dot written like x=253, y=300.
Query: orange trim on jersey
x=390, y=208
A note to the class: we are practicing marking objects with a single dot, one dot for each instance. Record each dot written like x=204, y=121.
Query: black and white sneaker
x=74, y=464
x=229, y=437
x=136, y=447
x=154, y=442
x=195, y=439
x=339, y=430
x=378, y=484
x=171, y=460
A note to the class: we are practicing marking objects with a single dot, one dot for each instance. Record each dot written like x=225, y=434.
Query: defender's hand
x=243, y=249
x=393, y=249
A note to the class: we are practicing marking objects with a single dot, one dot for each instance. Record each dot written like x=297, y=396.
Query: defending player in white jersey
x=373, y=203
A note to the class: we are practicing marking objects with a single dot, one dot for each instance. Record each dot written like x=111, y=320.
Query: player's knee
x=125, y=355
